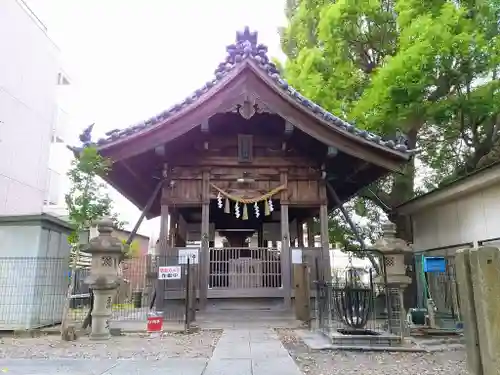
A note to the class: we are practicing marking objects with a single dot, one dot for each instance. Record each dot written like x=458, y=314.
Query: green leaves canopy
x=427, y=67
x=87, y=199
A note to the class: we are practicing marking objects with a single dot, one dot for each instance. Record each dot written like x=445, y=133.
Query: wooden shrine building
x=246, y=156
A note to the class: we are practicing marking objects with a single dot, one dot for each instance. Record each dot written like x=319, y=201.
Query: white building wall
x=473, y=217
x=29, y=67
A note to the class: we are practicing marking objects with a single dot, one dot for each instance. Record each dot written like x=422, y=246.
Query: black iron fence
x=357, y=301
x=33, y=291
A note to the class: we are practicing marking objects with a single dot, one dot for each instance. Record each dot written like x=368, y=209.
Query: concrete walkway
x=250, y=352
x=239, y=352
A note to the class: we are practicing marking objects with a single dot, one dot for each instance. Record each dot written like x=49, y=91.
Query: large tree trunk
x=403, y=190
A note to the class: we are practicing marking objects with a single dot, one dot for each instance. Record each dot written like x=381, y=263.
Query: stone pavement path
x=251, y=352
x=178, y=366
x=239, y=352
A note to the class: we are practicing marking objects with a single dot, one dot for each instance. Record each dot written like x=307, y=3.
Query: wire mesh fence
x=33, y=291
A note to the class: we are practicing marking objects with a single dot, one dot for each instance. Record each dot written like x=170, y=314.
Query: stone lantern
x=395, y=279
x=107, y=252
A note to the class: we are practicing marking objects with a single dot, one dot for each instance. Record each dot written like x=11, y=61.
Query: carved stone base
x=103, y=301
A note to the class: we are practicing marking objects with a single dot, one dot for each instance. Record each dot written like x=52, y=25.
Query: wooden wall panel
x=183, y=192
x=303, y=192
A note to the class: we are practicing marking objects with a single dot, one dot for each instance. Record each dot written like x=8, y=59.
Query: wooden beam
x=347, y=218
x=224, y=161
x=144, y=211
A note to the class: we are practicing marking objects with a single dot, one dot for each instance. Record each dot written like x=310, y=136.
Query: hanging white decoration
x=271, y=207
x=237, y=212
x=256, y=208
x=219, y=200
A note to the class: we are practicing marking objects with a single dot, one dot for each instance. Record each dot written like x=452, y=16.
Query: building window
x=245, y=148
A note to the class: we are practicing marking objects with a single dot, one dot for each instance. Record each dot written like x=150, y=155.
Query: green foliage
x=427, y=67
x=87, y=199
x=133, y=250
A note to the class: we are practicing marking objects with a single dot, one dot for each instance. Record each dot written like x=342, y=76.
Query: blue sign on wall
x=434, y=264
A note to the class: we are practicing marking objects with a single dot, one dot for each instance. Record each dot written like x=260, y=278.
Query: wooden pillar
x=181, y=234
x=260, y=236
x=162, y=256
x=325, y=245
x=300, y=233
x=286, y=267
x=172, y=232
x=205, y=240
x=310, y=232
x=302, y=292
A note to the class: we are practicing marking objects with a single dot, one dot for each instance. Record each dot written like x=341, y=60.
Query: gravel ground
x=132, y=346
x=327, y=362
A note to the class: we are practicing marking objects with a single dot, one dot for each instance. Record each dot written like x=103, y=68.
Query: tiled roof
x=246, y=47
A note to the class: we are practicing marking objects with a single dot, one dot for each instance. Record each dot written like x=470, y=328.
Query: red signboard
x=155, y=323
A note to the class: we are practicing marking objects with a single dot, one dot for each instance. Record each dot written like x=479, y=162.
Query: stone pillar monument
x=478, y=277
x=107, y=252
x=393, y=250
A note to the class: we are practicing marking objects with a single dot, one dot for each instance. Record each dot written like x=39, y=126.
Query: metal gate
x=244, y=272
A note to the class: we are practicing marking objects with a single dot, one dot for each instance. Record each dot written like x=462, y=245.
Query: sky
x=131, y=59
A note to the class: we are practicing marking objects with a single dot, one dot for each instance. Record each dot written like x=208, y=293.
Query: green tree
x=133, y=250
x=87, y=201
x=409, y=65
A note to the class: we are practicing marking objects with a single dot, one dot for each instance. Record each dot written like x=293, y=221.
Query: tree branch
x=379, y=197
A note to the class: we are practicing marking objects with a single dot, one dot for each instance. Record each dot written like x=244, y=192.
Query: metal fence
x=33, y=291
x=442, y=288
x=357, y=302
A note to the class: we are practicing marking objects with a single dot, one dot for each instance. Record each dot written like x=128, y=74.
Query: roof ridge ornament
x=247, y=36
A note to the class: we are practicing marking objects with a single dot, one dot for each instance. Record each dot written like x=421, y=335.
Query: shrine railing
x=244, y=268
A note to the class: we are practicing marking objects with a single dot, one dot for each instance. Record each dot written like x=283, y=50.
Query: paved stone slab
x=241, y=351
x=275, y=366
x=55, y=366
x=315, y=340
x=234, y=336
x=233, y=344
x=226, y=366
x=251, y=352
x=267, y=350
x=263, y=336
x=177, y=366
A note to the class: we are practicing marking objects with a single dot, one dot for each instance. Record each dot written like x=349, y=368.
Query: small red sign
x=155, y=323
